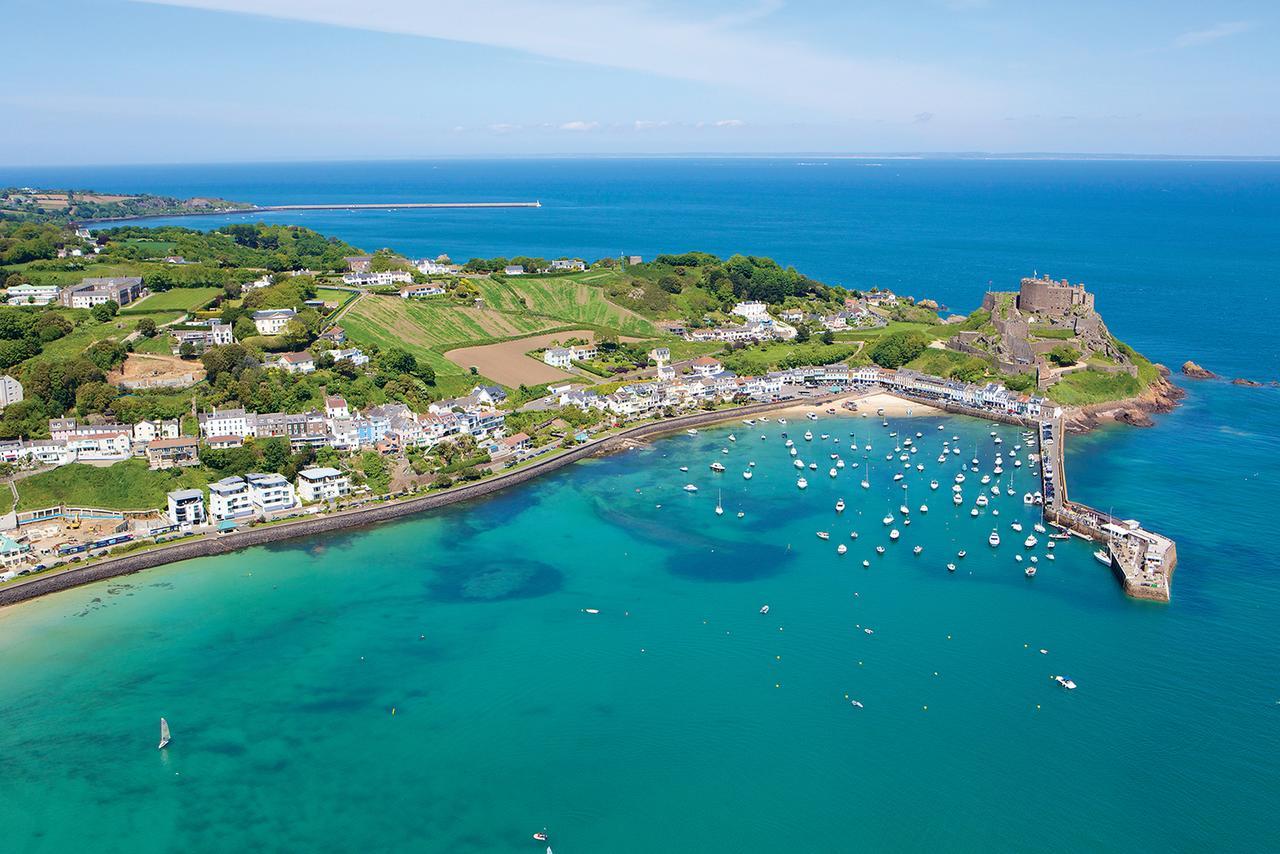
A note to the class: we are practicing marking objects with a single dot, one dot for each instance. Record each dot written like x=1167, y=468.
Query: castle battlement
x=1046, y=296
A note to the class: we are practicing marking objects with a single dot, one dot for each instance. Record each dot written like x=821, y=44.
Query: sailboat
x=164, y=734
x=719, y=506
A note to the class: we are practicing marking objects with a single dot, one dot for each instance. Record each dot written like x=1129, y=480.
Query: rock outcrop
x=1160, y=397
x=1245, y=382
x=1196, y=372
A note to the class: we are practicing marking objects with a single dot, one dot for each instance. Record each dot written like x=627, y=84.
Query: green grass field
x=938, y=362
x=1090, y=386
x=184, y=299
x=88, y=331
x=761, y=360
x=127, y=485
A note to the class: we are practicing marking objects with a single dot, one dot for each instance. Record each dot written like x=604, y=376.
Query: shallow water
x=678, y=718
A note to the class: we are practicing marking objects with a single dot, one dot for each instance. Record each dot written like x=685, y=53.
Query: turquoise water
x=678, y=718
x=656, y=724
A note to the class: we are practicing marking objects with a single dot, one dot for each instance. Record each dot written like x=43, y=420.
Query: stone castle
x=1041, y=315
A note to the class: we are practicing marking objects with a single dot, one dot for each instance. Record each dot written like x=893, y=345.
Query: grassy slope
x=128, y=485
x=568, y=298
x=88, y=331
x=1090, y=386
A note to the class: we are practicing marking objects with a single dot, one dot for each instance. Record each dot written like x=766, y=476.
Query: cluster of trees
x=897, y=348
x=22, y=241
x=1064, y=355
x=264, y=455
x=273, y=247
x=293, y=292
x=25, y=331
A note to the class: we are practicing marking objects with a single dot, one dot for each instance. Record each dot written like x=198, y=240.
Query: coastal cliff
x=1158, y=398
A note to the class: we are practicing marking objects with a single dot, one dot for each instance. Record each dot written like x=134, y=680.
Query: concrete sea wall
x=218, y=544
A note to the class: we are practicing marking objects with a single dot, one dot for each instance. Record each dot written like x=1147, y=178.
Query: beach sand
x=868, y=404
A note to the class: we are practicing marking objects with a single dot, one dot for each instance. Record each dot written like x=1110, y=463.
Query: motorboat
x=823, y=535
x=764, y=609
x=808, y=437
x=841, y=549
x=866, y=562
x=933, y=484
x=994, y=539
x=798, y=463
x=689, y=487
x=1030, y=541
x=982, y=501
x=1017, y=526
x=717, y=467
x=951, y=567
x=813, y=466
x=924, y=508
x=802, y=483
x=888, y=519
x=917, y=550
x=957, y=499
x=879, y=550
x=853, y=535
x=1102, y=556
x=840, y=505
x=832, y=471
x=960, y=554
x=746, y=475
x=1065, y=682
x=692, y=431
x=1039, y=529
x=973, y=511
x=893, y=535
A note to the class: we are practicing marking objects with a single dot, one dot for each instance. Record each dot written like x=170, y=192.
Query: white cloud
x=725, y=51
x=503, y=127
x=1212, y=34
x=579, y=126
x=730, y=123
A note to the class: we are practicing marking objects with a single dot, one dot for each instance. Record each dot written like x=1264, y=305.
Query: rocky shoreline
x=1159, y=398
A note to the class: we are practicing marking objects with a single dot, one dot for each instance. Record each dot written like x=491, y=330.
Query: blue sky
x=119, y=81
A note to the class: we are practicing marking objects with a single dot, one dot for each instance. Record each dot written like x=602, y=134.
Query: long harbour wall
x=209, y=545
x=1143, y=562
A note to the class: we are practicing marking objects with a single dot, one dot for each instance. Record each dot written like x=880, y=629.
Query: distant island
x=83, y=206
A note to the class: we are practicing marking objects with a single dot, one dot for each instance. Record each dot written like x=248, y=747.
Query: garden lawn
x=182, y=299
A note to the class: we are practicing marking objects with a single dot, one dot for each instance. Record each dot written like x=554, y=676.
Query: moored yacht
x=994, y=539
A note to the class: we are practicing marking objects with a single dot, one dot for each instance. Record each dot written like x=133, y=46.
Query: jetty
x=325, y=206
x=1141, y=560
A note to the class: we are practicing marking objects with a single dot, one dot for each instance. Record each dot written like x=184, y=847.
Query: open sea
x=434, y=684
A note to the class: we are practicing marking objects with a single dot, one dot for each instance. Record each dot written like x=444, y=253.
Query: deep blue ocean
x=678, y=719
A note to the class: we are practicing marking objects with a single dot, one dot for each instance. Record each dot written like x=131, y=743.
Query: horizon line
x=780, y=155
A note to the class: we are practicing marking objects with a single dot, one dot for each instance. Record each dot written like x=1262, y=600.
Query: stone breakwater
x=210, y=545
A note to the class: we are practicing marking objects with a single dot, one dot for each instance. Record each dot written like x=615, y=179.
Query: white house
x=387, y=277
x=352, y=354
x=513, y=270
x=32, y=294
x=569, y=264
x=705, y=366
x=298, y=363
x=322, y=484
x=101, y=446
x=752, y=310
x=660, y=354
x=10, y=391
x=270, y=492
x=272, y=321
x=226, y=422
x=186, y=507
x=149, y=431
x=558, y=357
x=417, y=291
x=336, y=407
x=229, y=499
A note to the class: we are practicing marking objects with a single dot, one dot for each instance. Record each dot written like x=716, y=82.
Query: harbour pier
x=1141, y=560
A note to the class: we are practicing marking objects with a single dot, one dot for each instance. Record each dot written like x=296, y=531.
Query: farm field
x=426, y=329
x=506, y=362
x=566, y=298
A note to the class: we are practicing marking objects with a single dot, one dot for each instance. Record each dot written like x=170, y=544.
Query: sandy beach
x=868, y=404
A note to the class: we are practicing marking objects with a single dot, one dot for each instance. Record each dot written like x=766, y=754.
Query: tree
x=802, y=334
x=187, y=350
x=397, y=361
x=94, y=396
x=105, y=311
x=897, y=348
x=229, y=359
x=106, y=354
x=828, y=337
x=1064, y=355
x=670, y=284
x=146, y=328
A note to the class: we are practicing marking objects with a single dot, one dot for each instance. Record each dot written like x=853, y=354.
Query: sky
x=173, y=81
